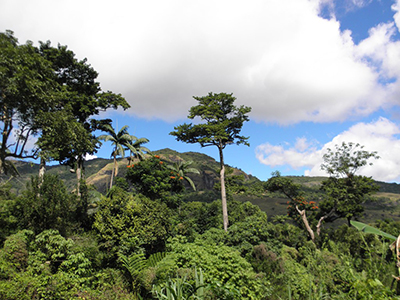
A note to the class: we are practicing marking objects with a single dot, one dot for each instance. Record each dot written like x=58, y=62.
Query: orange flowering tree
x=299, y=209
x=152, y=178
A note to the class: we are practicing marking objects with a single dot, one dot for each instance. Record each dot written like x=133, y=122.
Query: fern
x=154, y=259
x=134, y=263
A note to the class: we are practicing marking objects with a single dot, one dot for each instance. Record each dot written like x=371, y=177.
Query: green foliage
x=345, y=191
x=223, y=122
x=140, y=269
x=220, y=264
x=369, y=229
x=16, y=247
x=154, y=180
x=8, y=221
x=179, y=170
x=46, y=204
x=180, y=288
x=198, y=217
x=346, y=159
x=125, y=223
x=344, y=196
x=27, y=86
x=121, y=142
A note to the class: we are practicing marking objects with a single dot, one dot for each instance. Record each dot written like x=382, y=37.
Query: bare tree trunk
x=112, y=172
x=79, y=175
x=305, y=221
x=42, y=168
x=223, y=191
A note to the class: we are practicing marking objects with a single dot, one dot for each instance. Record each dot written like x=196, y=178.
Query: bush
x=221, y=266
x=127, y=223
x=46, y=205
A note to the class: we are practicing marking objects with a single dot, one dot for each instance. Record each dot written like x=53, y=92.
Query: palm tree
x=180, y=168
x=121, y=141
x=137, y=150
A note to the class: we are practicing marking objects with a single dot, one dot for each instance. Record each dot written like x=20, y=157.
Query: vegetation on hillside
x=156, y=228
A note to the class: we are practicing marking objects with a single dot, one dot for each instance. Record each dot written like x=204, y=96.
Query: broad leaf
x=369, y=229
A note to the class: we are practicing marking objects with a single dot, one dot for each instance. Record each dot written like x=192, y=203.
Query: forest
x=166, y=225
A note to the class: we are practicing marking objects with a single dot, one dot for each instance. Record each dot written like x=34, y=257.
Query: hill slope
x=243, y=187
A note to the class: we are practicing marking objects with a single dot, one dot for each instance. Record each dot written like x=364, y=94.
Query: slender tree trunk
x=223, y=191
x=79, y=175
x=113, y=172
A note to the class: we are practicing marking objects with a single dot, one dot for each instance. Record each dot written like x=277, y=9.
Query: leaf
x=369, y=229
x=155, y=258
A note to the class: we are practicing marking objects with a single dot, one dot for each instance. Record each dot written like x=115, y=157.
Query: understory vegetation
x=156, y=242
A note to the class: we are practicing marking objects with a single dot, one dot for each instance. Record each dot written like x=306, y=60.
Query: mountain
x=242, y=186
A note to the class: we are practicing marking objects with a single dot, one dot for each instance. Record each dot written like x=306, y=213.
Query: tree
x=82, y=97
x=297, y=206
x=346, y=191
x=223, y=123
x=27, y=87
x=120, y=141
x=46, y=205
x=346, y=160
x=126, y=223
x=62, y=137
x=137, y=150
x=153, y=179
x=180, y=168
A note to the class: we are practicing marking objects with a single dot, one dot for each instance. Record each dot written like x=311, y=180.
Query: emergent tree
x=223, y=122
x=346, y=191
x=82, y=97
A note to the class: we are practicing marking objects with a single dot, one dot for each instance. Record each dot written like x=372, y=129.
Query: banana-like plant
x=180, y=289
x=394, y=246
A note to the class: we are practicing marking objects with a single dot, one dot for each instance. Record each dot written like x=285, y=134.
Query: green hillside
x=241, y=186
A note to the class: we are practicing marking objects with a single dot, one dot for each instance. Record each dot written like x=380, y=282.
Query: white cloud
x=89, y=156
x=279, y=57
x=381, y=136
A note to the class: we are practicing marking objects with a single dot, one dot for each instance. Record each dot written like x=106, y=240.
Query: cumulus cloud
x=381, y=135
x=279, y=57
x=89, y=157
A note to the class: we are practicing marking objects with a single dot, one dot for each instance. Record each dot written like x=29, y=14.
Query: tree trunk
x=113, y=172
x=305, y=221
x=79, y=175
x=7, y=129
x=42, y=168
x=223, y=192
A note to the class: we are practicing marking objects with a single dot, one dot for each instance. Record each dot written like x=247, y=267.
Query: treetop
x=223, y=123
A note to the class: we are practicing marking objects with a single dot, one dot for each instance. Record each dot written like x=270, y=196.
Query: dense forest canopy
x=151, y=225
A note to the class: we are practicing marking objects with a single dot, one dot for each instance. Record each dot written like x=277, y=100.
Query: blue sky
x=315, y=72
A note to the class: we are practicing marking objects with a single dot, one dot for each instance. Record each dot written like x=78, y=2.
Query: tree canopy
x=346, y=191
x=221, y=124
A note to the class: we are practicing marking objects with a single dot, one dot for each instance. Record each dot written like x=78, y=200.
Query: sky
x=316, y=73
